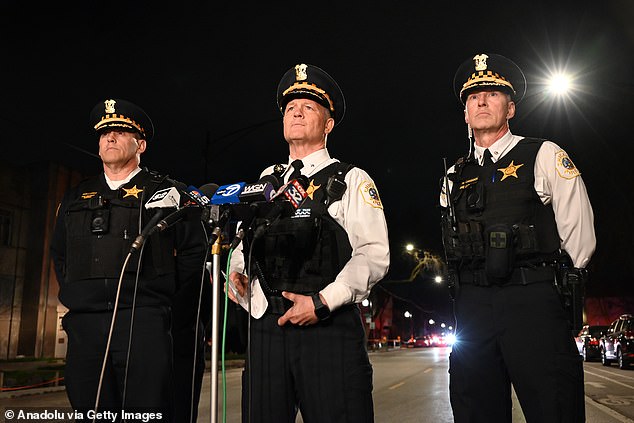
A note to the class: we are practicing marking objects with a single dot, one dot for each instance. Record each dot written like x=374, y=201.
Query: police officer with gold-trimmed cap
x=308, y=81
x=515, y=212
x=118, y=114
x=97, y=222
x=311, y=270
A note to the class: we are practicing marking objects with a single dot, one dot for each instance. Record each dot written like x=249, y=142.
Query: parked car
x=617, y=344
x=588, y=341
x=418, y=342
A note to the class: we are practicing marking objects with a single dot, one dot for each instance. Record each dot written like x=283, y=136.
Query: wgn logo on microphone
x=258, y=191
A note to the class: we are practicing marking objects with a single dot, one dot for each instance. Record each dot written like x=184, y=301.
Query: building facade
x=30, y=312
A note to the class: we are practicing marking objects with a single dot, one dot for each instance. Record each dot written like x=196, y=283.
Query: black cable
x=127, y=357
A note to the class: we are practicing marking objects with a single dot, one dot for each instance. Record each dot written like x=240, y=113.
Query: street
x=410, y=386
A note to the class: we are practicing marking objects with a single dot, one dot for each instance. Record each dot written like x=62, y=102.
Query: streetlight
x=410, y=316
x=438, y=279
x=425, y=261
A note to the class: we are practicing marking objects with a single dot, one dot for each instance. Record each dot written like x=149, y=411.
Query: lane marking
x=609, y=379
x=397, y=385
x=607, y=410
x=595, y=384
x=427, y=370
x=614, y=373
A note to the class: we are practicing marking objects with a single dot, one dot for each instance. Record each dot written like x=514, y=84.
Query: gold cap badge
x=300, y=72
x=109, y=106
x=480, y=61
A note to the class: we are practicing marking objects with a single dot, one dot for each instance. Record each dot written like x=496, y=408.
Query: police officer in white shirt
x=516, y=206
x=307, y=345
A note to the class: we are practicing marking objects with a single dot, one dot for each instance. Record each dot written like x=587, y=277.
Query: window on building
x=5, y=227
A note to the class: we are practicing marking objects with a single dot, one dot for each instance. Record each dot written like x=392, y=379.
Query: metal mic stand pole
x=215, y=313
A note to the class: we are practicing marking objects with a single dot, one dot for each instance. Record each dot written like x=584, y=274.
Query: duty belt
x=520, y=276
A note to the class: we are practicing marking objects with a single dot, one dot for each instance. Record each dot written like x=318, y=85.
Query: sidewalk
x=44, y=365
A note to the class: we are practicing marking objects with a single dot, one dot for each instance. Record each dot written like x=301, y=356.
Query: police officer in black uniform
x=97, y=222
x=516, y=208
x=308, y=349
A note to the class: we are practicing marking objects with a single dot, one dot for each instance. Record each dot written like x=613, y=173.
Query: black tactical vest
x=305, y=252
x=499, y=214
x=101, y=225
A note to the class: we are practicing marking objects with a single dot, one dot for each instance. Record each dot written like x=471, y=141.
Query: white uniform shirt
x=557, y=182
x=361, y=215
x=115, y=185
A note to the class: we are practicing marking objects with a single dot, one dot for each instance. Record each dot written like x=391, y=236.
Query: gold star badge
x=511, y=170
x=134, y=191
x=311, y=189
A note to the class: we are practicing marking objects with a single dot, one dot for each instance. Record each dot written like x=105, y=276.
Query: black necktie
x=297, y=166
x=487, y=158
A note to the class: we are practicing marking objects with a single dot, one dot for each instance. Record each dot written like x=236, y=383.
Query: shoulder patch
x=565, y=167
x=370, y=194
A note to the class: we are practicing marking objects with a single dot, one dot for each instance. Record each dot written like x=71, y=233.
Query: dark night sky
x=207, y=76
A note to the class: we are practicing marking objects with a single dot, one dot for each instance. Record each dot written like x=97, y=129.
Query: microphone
x=164, y=198
x=262, y=190
x=199, y=200
x=295, y=191
x=287, y=199
x=228, y=194
x=195, y=196
x=146, y=232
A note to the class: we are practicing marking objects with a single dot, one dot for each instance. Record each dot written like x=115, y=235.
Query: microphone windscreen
x=209, y=189
x=303, y=181
x=273, y=180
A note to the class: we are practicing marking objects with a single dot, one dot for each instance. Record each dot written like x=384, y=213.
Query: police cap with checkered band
x=489, y=71
x=308, y=81
x=117, y=114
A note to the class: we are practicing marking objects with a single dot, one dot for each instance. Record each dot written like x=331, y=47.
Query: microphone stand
x=215, y=308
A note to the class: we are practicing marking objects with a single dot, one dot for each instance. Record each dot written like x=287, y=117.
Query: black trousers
x=515, y=335
x=148, y=386
x=323, y=370
x=186, y=401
